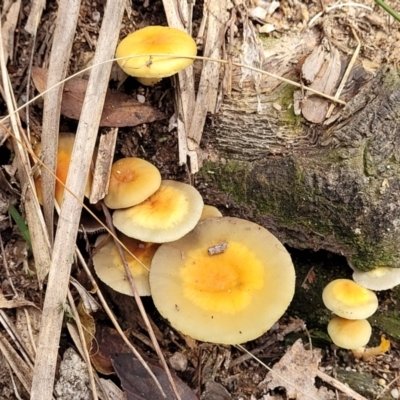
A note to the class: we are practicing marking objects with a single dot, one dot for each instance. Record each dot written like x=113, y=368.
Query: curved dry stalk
x=114, y=321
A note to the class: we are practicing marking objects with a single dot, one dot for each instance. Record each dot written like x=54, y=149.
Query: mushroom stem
x=378, y=350
x=358, y=353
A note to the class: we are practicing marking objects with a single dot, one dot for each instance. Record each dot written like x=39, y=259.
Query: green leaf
x=23, y=227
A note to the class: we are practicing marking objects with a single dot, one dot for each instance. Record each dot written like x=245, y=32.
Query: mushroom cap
x=65, y=146
x=348, y=299
x=155, y=40
x=167, y=215
x=132, y=181
x=380, y=278
x=210, y=211
x=230, y=297
x=349, y=333
x=109, y=268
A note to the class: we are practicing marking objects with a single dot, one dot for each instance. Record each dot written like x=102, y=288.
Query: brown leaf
x=138, y=384
x=106, y=344
x=295, y=373
x=119, y=109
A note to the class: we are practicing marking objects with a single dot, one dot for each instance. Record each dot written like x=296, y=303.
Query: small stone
x=178, y=361
x=395, y=393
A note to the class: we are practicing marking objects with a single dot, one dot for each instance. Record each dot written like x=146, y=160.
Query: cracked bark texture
x=330, y=187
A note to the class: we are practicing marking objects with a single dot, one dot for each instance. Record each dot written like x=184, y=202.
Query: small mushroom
x=170, y=213
x=65, y=146
x=349, y=300
x=150, y=69
x=110, y=269
x=227, y=297
x=132, y=181
x=210, y=211
x=380, y=278
x=351, y=334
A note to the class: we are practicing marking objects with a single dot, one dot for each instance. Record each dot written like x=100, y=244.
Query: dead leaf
x=119, y=109
x=106, y=343
x=295, y=373
x=138, y=384
x=14, y=303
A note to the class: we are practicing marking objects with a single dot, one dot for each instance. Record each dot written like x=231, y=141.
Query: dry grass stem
x=64, y=244
x=67, y=19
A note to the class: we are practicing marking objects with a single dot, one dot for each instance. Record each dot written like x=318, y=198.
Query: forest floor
x=310, y=369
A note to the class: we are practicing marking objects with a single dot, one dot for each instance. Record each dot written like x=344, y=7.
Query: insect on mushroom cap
x=227, y=281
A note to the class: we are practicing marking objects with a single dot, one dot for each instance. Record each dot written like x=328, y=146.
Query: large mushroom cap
x=349, y=333
x=349, y=300
x=65, y=146
x=170, y=213
x=109, y=268
x=155, y=40
x=228, y=281
x=132, y=181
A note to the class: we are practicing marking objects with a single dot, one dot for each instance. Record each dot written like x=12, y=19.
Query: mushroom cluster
x=352, y=304
x=214, y=278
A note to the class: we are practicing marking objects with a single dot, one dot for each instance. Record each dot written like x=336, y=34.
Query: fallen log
x=333, y=185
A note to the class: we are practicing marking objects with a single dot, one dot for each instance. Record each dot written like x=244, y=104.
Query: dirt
x=214, y=371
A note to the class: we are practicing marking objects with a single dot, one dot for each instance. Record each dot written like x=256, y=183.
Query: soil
x=213, y=371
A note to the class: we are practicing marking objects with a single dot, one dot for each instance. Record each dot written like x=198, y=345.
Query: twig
x=67, y=18
x=347, y=73
x=84, y=344
x=338, y=385
x=64, y=244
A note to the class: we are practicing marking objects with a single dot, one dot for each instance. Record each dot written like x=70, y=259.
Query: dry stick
x=347, y=73
x=114, y=321
x=64, y=244
x=338, y=385
x=83, y=344
x=67, y=18
x=140, y=305
x=39, y=238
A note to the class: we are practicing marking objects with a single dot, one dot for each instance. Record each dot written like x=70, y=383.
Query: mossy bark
x=315, y=187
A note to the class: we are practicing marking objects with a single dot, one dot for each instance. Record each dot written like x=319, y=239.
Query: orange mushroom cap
x=155, y=40
x=227, y=281
x=132, y=181
x=349, y=300
x=167, y=215
x=65, y=146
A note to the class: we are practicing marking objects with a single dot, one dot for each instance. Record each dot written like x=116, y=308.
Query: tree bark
x=335, y=186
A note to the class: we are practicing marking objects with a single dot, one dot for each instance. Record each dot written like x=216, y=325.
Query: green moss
x=285, y=100
x=230, y=178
